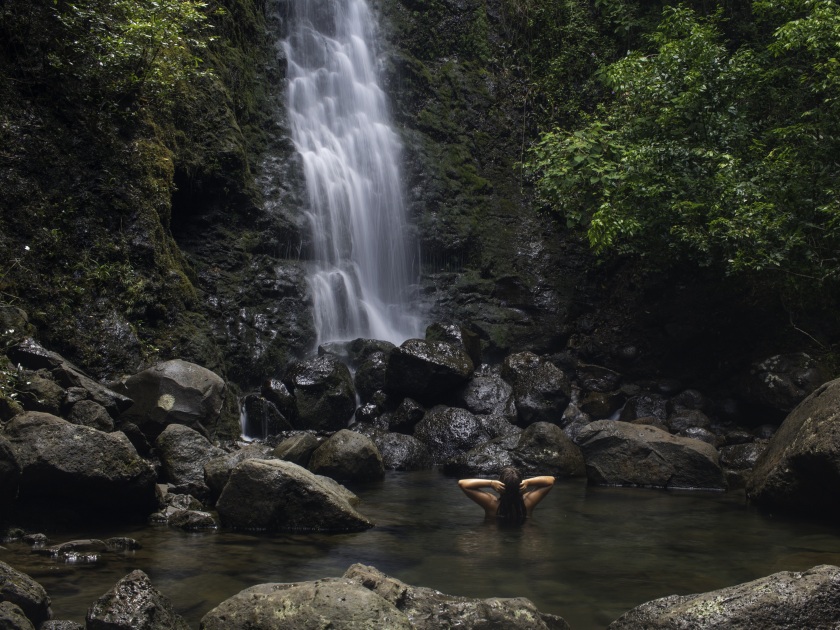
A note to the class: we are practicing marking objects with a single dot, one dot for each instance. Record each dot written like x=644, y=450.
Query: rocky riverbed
x=153, y=447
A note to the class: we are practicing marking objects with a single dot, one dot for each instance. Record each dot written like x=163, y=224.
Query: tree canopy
x=712, y=151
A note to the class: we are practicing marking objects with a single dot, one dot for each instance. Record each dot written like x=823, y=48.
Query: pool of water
x=589, y=554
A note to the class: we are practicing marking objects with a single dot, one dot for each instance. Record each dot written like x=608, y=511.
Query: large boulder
x=800, y=470
x=133, y=604
x=402, y=452
x=450, y=431
x=456, y=335
x=348, y=456
x=24, y=592
x=488, y=395
x=544, y=449
x=335, y=603
x=781, y=601
x=367, y=598
x=625, y=454
x=281, y=496
x=297, y=449
x=429, y=609
x=427, y=370
x=370, y=376
x=486, y=459
x=183, y=453
x=324, y=393
x=541, y=390
x=81, y=466
x=174, y=392
x=217, y=469
x=9, y=473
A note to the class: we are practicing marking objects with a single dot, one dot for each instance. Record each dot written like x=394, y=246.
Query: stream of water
x=364, y=260
x=589, y=554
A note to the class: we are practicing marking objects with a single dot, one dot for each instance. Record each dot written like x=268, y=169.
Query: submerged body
x=517, y=497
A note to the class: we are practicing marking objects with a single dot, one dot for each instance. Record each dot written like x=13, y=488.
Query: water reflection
x=589, y=554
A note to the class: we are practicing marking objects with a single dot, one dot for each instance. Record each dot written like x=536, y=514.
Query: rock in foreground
x=134, y=604
x=781, y=601
x=800, y=470
x=366, y=598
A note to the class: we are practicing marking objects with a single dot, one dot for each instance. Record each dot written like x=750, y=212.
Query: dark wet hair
x=511, y=508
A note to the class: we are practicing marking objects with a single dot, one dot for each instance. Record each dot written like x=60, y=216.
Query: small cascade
x=364, y=262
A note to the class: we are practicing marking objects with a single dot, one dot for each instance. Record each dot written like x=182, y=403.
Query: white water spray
x=351, y=156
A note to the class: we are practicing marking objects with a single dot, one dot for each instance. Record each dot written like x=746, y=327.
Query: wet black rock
x=21, y=590
x=457, y=335
x=427, y=370
x=370, y=376
x=541, y=390
x=488, y=395
x=620, y=453
x=686, y=419
x=9, y=473
x=738, y=461
x=600, y=405
x=596, y=378
x=297, y=449
x=277, y=393
x=191, y=520
x=689, y=399
x=785, y=600
x=776, y=385
x=280, y=496
x=174, y=392
x=133, y=604
x=348, y=456
x=486, y=459
x=450, y=431
x=402, y=452
x=262, y=417
x=406, y=416
x=800, y=470
x=699, y=433
x=80, y=466
x=324, y=393
x=544, y=449
x=644, y=405
x=183, y=453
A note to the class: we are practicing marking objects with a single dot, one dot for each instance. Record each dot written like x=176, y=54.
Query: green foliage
x=131, y=51
x=721, y=155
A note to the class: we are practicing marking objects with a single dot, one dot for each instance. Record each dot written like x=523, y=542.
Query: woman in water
x=517, y=497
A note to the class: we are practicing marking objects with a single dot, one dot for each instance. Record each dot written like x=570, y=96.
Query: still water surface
x=589, y=554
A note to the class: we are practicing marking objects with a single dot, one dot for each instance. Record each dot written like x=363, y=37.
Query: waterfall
x=363, y=263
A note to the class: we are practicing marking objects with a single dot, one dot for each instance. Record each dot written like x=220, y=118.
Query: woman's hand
x=523, y=485
x=498, y=486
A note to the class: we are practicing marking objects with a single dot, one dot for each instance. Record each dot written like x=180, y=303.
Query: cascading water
x=364, y=264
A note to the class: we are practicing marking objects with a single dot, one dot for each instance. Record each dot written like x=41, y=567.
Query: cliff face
x=177, y=231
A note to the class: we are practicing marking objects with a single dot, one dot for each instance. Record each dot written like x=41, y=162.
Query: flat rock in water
x=625, y=454
x=276, y=495
x=781, y=601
